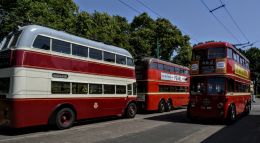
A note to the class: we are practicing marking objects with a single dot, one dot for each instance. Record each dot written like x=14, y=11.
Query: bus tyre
x=131, y=110
x=247, y=108
x=65, y=118
x=168, y=106
x=231, y=114
x=161, y=106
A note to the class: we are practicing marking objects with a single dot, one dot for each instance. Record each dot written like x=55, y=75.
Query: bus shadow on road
x=46, y=128
x=244, y=130
x=145, y=112
x=180, y=117
x=22, y=131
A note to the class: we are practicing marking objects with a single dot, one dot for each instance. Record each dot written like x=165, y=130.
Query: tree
x=113, y=30
x=253, y=54
x=142, y=35
x=56, y=14
x=170, y=38
x=139, y=37
x=146, y=32
x=184, y=54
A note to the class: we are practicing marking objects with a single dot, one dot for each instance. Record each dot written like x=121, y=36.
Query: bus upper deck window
x=130, y=62
x=42, y=42
x=229, y=53
x=15, y=39
x=61, y=46
x=95, y=54
x=121, y=59
x=7, y=41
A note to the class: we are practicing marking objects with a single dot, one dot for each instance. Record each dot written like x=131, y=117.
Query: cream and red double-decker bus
x=161, y=85
x=220, y=82
x=52, y=77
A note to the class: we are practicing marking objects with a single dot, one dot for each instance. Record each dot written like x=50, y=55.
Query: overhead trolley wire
x=137, y=11
x=232, y=18
x=156, y=13
x=143, y=4
x=220, y=22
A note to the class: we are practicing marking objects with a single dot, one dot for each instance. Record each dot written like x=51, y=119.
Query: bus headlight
x=220, y=105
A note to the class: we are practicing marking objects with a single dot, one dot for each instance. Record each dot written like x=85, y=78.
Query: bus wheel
x=247, y=108
x=168, y=106
x=131, y=110
x=161, y=106
x=231, y=114
x=65, y=118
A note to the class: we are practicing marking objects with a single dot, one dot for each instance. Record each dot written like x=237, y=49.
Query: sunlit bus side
x=52, y=77
x=161, y=85
x=220, y=82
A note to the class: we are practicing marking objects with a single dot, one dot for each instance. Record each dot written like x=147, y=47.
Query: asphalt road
x=166, y=127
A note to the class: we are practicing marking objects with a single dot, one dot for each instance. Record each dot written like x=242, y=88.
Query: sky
x=192, y=17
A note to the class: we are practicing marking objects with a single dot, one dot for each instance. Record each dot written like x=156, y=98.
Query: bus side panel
x=239, y=101
x=45, y=61
x=31, y=112
x=178, y=100
x=152, y=102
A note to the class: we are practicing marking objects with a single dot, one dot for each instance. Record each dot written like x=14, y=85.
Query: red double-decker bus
x=161, y=85
x=220, y=85
x=52, y=77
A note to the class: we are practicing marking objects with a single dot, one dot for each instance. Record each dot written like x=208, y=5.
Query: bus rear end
x=6, y=75
x=5, y=105
x=141, y=70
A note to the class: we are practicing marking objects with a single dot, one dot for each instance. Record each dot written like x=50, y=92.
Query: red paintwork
x=152, y=79
x=200, y=112
x=239, y=101
x=31, y=112
x=215, y=45
x=22, y=58
x=230, y=63
x=178, y=100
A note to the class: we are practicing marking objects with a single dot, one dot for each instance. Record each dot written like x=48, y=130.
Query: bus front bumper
x=205, y=113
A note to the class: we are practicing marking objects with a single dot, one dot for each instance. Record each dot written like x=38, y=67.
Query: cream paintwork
x=36, y=83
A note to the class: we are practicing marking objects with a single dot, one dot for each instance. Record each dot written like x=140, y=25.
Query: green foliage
x=184, y=55
x=253, y=54
x=171, y=39
x=52, y=13
x=139, y=37
x=142, y=35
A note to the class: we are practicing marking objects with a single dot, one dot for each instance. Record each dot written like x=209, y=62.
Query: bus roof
x=150, y=60
x=218, y=44
x=31, y=31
